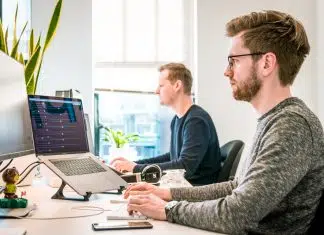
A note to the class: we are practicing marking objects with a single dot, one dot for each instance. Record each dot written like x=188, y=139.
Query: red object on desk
x=23, y=193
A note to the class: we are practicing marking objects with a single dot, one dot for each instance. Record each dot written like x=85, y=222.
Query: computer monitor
x=89, y=135
x=15, y=125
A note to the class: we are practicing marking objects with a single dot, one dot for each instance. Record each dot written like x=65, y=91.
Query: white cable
x=90, y=208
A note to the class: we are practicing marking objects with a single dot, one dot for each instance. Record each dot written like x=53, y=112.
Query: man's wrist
x=133, y=167
x=137, y=168
x=168, y=210
x=166, y=196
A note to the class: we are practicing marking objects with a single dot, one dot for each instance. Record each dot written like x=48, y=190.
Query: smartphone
x=116, y=225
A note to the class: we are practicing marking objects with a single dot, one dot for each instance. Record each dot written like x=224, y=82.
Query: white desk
x=47, y=207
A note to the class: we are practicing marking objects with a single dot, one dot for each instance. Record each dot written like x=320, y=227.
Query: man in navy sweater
x=194, y=142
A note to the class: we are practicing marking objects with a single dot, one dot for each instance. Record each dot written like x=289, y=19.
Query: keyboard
x=79, y=166
x=134, y=216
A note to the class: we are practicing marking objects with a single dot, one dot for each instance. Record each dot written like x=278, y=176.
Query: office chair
x=317, y=223
x=231, y=154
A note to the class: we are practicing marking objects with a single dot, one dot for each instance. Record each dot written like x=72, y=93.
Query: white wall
x=233, y=119
x=68, y=60
x=320, y=57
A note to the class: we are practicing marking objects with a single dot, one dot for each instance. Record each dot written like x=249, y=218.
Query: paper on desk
x=12, y=231
x=16, y=212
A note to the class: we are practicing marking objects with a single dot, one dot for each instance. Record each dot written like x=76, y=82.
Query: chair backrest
x=231, y=153
x=235, y=164
x=317, y=226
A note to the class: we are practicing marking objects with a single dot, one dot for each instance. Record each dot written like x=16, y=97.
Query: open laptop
x=60, y=141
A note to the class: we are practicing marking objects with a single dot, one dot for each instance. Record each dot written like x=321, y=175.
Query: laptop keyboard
x=81, y=166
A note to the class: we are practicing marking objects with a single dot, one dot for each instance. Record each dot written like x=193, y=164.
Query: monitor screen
x=15, y=127
x=58, y=125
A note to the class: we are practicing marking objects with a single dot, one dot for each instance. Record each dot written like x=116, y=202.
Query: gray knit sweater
x=280, y=184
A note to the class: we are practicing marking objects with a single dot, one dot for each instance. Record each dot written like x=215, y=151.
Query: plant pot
x=126, y=151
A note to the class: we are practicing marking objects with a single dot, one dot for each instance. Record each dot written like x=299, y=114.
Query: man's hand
x=122, y=164
x=148, y=205
x=146, y=189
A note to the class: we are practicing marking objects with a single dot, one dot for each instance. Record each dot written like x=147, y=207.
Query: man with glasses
x=279, y=184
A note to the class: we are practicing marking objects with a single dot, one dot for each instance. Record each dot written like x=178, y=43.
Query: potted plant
x=33, y=64
x=120, y=143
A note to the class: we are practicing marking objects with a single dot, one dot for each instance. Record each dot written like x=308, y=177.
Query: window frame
x=1, y=10
x=188, y=46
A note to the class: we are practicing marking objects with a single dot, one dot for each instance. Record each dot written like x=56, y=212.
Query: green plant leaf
x=39, y=40
x=53, y=24
x=34, y=80
x=132, y=137
x=14, y=51
x=122, y=142
x=6, y=41
x=119, y=133
x=36, y=52
x=31, y=87
x=14, y=42
x=119, y=138
x=31, y=43
x=31, y=66
x=3, y=44
x=21, y=59
x=38, y=72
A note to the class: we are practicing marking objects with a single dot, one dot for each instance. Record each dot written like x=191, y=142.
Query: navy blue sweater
x=194, y=147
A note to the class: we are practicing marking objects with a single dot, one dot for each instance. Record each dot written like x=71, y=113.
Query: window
x=8, y=8
x=130, y=40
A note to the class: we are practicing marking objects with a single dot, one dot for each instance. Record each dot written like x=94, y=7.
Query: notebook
x=60, y=141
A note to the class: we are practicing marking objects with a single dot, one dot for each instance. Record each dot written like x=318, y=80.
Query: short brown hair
x=276, y=32
x=178, y=71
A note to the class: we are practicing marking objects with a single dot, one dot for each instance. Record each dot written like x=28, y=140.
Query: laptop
x=60, y=141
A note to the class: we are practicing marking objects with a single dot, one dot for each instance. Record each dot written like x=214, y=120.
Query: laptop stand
x=59, y=194
x=119, y=191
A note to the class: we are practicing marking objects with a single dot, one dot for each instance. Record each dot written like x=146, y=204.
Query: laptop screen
x=58, y=125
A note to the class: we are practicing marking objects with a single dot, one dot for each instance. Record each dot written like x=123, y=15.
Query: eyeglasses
x=231, y=61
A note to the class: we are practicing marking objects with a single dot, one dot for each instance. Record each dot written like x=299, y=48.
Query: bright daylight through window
x=130, y=40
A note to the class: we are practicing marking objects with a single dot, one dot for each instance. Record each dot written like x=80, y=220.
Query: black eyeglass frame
x=230, y=63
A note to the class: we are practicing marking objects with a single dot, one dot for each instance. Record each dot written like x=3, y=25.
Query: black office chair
x=231, y=154
x=317, y=226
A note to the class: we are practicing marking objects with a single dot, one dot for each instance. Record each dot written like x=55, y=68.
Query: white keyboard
x=126, y=217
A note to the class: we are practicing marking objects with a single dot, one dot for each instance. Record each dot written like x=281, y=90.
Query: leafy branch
x=119, y=138
x=36, y=51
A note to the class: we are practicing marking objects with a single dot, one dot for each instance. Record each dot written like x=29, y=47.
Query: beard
x=246, y=90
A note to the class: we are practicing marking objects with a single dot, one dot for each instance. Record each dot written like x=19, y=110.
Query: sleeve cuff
x=138, y=168
x=169, y=217
x=168, y=210
x=175, y=193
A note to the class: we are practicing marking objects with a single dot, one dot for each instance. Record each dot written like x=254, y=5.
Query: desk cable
x=5, y=167
x=37, y=163
x=99, y=210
